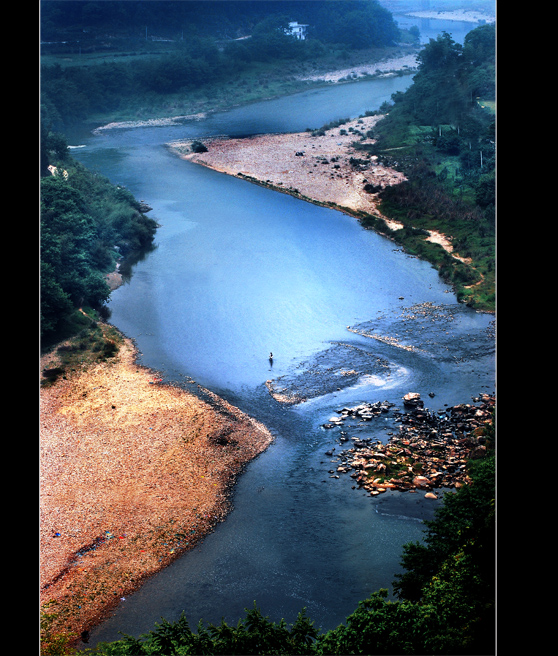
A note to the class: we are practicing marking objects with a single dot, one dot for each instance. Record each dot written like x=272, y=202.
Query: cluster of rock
x=364, y=412
x=430, y=451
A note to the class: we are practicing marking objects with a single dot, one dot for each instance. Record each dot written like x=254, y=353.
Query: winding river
x=239, y=271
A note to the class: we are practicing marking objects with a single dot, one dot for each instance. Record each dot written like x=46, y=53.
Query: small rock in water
x=413, y=400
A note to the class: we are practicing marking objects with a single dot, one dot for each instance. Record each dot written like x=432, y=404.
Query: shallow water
x=239, y=271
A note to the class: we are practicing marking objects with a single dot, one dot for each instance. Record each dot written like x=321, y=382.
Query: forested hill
x=87, y=226
x=331, y=22
x=450, y=80
x=441, y=133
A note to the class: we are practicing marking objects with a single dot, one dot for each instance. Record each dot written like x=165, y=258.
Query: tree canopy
x=449, y=80
x=328, y=20
x=87, y=224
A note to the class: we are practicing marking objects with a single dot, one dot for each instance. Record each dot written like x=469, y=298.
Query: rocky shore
x=461, y=15
x=430, y=451
x=385, y=68
x=320, y=166
x=133, y=472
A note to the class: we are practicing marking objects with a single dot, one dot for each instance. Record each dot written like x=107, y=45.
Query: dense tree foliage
x=86, y=225
x=445, y=92
x=354, y=24
x=331, y=22
x=441, y=133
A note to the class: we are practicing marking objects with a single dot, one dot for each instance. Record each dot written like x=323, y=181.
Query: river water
x=239, y=271
x=430, y=28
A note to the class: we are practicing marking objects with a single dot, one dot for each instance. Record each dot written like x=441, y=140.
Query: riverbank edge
x=306, y=84
x=377, y=222
x=65, y=588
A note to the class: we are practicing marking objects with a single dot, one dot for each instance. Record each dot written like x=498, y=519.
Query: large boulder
x=413, y=400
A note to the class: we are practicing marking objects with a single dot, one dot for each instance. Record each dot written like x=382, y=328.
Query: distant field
x=92, y=59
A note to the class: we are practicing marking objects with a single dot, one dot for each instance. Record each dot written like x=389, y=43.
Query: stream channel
x=239, y=271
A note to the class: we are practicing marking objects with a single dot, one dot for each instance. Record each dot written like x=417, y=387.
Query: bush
x=198, y=147
x=83, y=219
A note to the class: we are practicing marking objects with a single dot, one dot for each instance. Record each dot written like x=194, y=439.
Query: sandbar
x=321, y=169
x=133, y=472
x=319, y=166
x=461, y=15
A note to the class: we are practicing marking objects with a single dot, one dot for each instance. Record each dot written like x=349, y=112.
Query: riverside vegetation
x=440, y=133
x=131, y=61
x=88, y=227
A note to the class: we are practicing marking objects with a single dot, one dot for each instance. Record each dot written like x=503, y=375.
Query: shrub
x=198, y=147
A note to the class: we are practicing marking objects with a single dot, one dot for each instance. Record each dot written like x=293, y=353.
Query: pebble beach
x=133, y=472
x=317, y=168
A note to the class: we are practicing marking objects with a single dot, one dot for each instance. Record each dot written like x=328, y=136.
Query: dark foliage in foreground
x=445, y=599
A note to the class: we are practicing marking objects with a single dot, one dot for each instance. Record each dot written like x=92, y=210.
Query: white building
x=297, y=30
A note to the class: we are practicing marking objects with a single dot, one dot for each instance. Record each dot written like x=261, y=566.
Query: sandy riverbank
x=461, y=15
x=132, y=473
x=406, y=63
x=317, y=168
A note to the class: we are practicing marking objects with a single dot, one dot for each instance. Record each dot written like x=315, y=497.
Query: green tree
x=84, y=219
x=67, y=234
x=255, y=634
x=461, y=517
x=354, y=24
